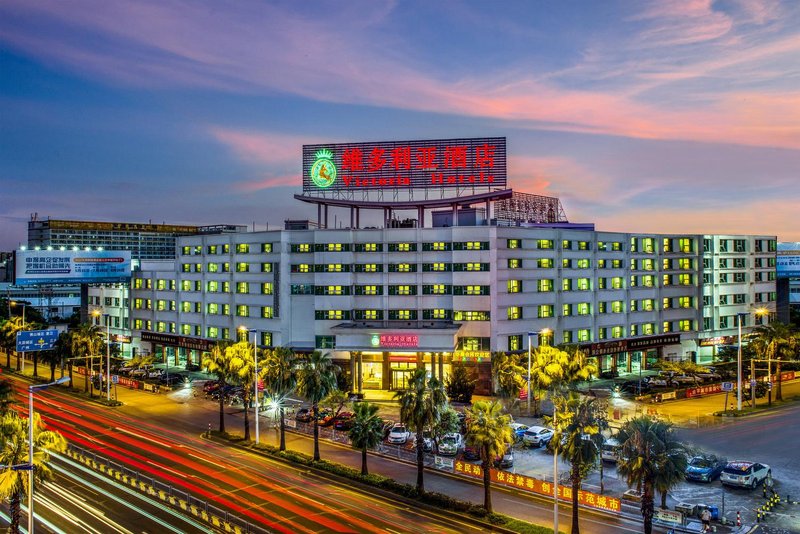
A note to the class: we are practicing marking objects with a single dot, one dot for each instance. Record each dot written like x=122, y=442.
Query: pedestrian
x=705, y=517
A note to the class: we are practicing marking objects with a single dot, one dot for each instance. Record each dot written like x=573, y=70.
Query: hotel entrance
x=401, y=371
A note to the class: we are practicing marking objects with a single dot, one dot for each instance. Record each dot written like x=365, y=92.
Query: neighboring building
x=788, y=280
x=52, y=302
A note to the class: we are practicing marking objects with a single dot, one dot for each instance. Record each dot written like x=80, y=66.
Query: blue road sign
x=727, y=386
x=31, y=340
x=115, y=380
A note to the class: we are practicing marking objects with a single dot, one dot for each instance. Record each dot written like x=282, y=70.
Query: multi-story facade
x=385, y=301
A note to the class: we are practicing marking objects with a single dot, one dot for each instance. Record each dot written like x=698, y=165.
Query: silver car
x=745, y=474
x=537, y=436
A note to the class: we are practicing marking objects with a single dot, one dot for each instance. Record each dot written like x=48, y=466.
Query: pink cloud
x=268, y=182
x=260, y=147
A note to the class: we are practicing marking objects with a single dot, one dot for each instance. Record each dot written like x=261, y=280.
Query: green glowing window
x=514, y=313
x=242, y=248
x=545, y=285
x=266, y=312
x=514, y=286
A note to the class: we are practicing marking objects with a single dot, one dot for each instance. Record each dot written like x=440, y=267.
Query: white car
x=155, y=373
x=398, y=434
x=745, y=474
x=450, y=444
x=537, y=436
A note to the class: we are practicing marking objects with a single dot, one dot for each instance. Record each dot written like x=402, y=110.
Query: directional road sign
x=30, y=340
x=727, y=386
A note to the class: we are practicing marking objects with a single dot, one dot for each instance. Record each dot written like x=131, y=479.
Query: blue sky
x=664, y=116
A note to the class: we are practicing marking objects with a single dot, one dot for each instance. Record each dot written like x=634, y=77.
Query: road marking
x=207, y=461
x=182, y=475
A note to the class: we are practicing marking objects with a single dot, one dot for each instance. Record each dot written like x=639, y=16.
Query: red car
x=344, y=421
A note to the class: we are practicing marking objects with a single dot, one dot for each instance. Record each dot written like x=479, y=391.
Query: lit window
x=370, y=247
x=439, y=313
x=685, y=302
x=404, y=315
x=403, y=268
x=584, y=264
x=266, y=312
x=584, y=308
x=513, y=243
x=266, y=248
x=438, y=289
x=584, y=335
x=439, y=245
x=333, y=247
x=473, y=245
x=566, y=310
x=370, y=268
x=544, y=263
x=514, y=263
x=370, y=315
x=243, y=248
x=545, y=244
x=242, y=267
x=304, y=268
x=335, y=290
x=266, y=288
x=584, y=284
x=242, y=310
x=685, y=325
x=370, y=290
x=545, y=310
x=403, y=247
x=545, y=285
x=617, y=332
x=685, y=279
x=242, y=287
x=514, y=312
x=438, y=267
x=617, y=306
x=403, y=290
x=514, y=286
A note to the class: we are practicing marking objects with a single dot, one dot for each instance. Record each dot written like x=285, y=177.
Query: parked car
x=192, y=367
x=634, y=386
x=506, y=459
x=344, y=421
x=211, y=385
x=518, y=429
x=659, y=381
x=704, y=468
x=471, y=452
x=610, y=450
x=398, y=434
x=709, y=377
x=304, y=415
x=141, y=372
x=685, y=380
x=450, y=444
x=537, y=436
x=745, y=474
x=611, y=373
x=427, y=441
x=173, y=379
x=155, y=373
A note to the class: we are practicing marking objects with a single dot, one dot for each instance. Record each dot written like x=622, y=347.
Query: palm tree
x=9, y=337
x=14, y=451
x=575, y=427
x=489, y=430
x=420, y=407
x=672, y=464
x=647, y=447
x=242, y=366
x=316, y=380
x=86, y=343
x=779, y=342
x=58, y=354
x=217, y=363
x=555, y=368
x=367, y=430
x=280, y=381
x=6, y=396
x=507, y=373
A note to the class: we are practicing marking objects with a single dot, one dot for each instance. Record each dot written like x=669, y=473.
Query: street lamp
x=530, y=336
x=759, y=311
x=244, y=329
x=30, y=444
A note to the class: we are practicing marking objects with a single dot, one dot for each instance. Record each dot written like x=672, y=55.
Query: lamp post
x=555, y=475
x=108, y=357
x=30, y=444
x=255, y=373
x=13, y=303
x=530, y=336
x=739, y=362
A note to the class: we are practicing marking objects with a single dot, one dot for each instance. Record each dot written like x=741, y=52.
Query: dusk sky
x=664, y=116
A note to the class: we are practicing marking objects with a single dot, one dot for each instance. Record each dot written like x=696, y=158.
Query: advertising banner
x=32, y=340
x=526, y=483
x=44, y=267
x=420, y=164
x=788, y=260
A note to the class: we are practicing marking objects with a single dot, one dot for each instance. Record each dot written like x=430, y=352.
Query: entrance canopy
x=397, y=336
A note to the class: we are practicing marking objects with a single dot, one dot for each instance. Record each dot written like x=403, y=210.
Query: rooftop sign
x=440, y=163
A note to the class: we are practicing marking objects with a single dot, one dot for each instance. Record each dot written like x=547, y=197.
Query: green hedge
x=408, y=491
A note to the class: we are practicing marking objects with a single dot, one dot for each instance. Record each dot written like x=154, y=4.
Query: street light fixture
x=31, y=389
x=244, y=329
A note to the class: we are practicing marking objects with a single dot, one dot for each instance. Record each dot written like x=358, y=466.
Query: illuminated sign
x=203, y=345
x=624, y=345
x=398, y=340
x=439, y=163
x=323, y=171
x=534, y=485
x=722, y=340
x=71, y=267
x=788, y=260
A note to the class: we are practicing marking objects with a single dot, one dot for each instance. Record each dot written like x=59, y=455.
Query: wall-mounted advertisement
x=45, y=267
x=438, y=163
x=788, y=260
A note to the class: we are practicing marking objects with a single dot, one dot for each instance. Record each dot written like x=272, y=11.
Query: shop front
x=629, y=356
x=175, y=350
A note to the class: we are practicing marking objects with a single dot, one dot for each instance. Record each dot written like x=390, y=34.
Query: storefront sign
x=627, y=345
x=396, y=340
x=534, y=485
x=722, y=340
x=120, y=338
x=704, y=390
x=439, y=163
x=204, y=345
x=471, y=356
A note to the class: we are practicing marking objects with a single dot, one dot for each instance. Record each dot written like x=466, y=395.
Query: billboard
x=438, y=163
x=788, y=265
x=31, y=340
x=34, y=267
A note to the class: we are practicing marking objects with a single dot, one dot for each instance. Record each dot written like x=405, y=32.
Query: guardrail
x=176, y=498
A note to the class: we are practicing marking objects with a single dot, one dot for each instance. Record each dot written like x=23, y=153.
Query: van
x=610, y=450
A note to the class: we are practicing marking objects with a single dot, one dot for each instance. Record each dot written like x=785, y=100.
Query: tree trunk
x=35, y=364
x=283, y=430
x=647, y=507
x=8, y=358
x=576, y=488
x=664, y=500
x=222, y=408
x=602, y=485
x=52, y=371
x=364, y=471
x=87, y=376
x=19, y=361
x=69, y=368
x=778, y=393
x=246, y=404
x=420, y=462
x=315, y=408
x=487, y=482
x=14, y=512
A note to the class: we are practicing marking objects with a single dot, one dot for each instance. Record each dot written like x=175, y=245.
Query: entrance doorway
x=401, y=374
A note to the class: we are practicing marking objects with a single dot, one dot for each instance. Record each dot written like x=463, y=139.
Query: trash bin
x=686, y=508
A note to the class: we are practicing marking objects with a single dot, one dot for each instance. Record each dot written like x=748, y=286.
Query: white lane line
x=126, y=431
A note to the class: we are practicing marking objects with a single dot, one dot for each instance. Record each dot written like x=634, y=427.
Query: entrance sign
x=420, y=164
x=398, y=340
x=33, y=340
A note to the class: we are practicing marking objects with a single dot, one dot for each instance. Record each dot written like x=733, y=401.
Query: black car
x=173, y=379
x=633, y=387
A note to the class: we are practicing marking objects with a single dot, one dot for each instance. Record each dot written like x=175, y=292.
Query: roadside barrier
x=176, y=498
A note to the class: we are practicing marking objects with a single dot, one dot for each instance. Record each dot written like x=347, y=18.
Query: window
x=602, y=333
x=471, y=266
x=368, y=315
x=514, y=286
x=302, y=268
x=242, y=310
x=723, y=321
x=266, y=288
x=437, y=246
x=544, y=244
x=515, y=342
x=475, y=245
x=648, y=304
x=685, y=325
x=266, y=248
x=566, y=244
x=616, y=246
x=186, y=250
x=584, y=308
x=513, y=243
x=601, y=307
x=436, y=313
x=739, y=277
x=601, y=245
x=648, y=329
x=545, y=285
x=584, y=245
x=226, y=287
x=584, y=284
x=368, y=268
x=226, y=267
x=161, y=305
x=566, y=310
x=403, y=290
x=460, y=315
x=648, y=280
x=545, y=310
x=666, y=303
x=334, y=247
x=566, y=263
x=213, y=267
x=402, y=315
x=242, y=248
x=686, y=245
x=301, y=247
x=685, y=302
x=602, y=283
x=212, y=308
x=333, y=290
x=369, y=290
x=402, y=267
x=685, y=279
x=402, y=247
x=723, y=278
x=242, y=267
x=648, y=264
x=584, y=335
x=186, y=307
x=666, y=280
x=335, y=268
x=617, y=306
x=685, y=264
x=617, y=283
x=617, y=332
x=266, y=312
x=325, y=342
x=242, y=287
x=514, y=313
x=332, y=315
x=740, y=298
x=514, y=263
x=584, y=263
x=566, y=284
x=436, y=267
x=212, y=286
x=648, y=245
x=666, y=244
x=739, y=245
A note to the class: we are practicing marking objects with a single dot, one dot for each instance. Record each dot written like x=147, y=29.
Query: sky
x=666, y=116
